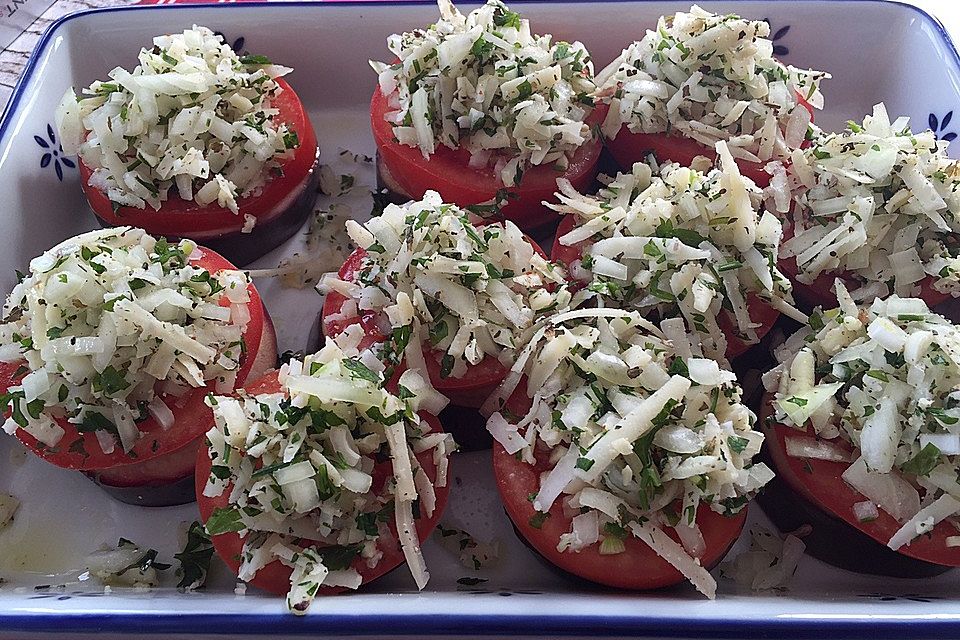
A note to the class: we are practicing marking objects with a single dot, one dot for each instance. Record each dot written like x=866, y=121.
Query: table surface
x=14, y=58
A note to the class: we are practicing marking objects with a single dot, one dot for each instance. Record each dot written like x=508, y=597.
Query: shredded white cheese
x=484, y=82
x=633, y=440
x=878, y=205
x=675, y=241
x=193, y=115
x=453, y=289
x=769, y=563
x=711, y=77
x=882, y=379
x=301, y=464
x=110, y=322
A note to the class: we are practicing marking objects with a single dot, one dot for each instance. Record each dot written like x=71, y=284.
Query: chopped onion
x=697, y=73
x=686, y=239
x=290, y=485
x=889, y=491
x=451, y=86
x=142, y=139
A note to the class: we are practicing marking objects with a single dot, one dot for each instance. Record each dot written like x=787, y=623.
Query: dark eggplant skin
x=387, y=186
x=392, y=193
x=171, y=494
x=468, y=427
x=243, y=248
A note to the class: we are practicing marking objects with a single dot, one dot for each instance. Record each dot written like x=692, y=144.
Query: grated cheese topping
x=711, y=77
x=769, y=563
x=883, y=380
x=680, y=242
x=300, y=466
x=112, y=324
x=638, y=437
x=484, y=82
x=435, y=280
x=879, y=205
x=193, y=115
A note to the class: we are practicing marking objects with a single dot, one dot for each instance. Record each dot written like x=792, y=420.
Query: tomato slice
x=155, y=472
x=628, y=147
x=334, y=301
x=192, y=417
x=820, y=483
x=638, y=567
x=275, y=577
x=448, y=172
x=469, y=390
x=820, y=292
x=174, y=466
x=759, y=310
x=213, y=221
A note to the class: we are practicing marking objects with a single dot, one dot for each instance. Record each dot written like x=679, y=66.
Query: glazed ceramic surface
x=875, y=51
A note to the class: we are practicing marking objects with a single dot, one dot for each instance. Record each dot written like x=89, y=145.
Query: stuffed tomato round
x=673, y=241
x=109, y=346
x=701, y=78
x=860, y=424
x=874, y=205
x=469, y=389
x=443, y=295
x=488, y=115
x=323, y=448
x=630, y=465
x=196, y=143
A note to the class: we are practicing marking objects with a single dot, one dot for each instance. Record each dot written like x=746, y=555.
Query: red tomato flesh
x=759, y=310
x=820, y=292
x=638, y=567
x=275, y=577
x=469, y=390
x=448, y=172
x=187, y=219
x=628, y=147
x=820, y=483
x=192, y=417
x=179, y=464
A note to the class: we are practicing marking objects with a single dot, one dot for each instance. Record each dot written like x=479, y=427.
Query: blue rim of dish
x=865, y=627
x=792, y=626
